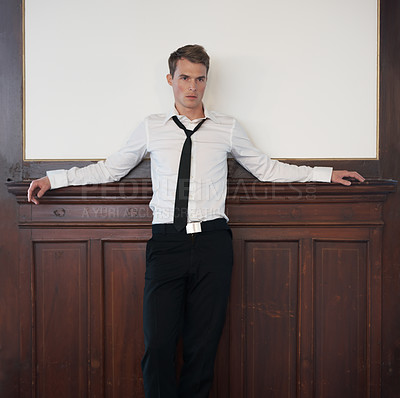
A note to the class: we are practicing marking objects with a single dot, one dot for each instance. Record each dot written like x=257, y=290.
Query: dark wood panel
x=113, y=212
x=309, y=213
x=124, y=268
x=389, y=120
x=306, y=360
x=270, y=305
x=341, y=320
x=10, y=169
x=248, y=191
x=61, y=319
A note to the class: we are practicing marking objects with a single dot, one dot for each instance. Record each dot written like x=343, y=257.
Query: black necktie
x=182, y=186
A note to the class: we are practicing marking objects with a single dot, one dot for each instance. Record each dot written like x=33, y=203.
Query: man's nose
x=192, y=85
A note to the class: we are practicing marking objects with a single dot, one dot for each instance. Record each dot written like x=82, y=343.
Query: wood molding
x=238, y=188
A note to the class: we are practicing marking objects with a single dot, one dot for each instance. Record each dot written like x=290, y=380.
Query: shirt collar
x=174, y=112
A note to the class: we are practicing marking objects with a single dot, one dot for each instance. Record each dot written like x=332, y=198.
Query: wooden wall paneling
x=124, y=271
x=11, y=370
x=70, y=214
x=305, y=352
x=27, y=383
x=271, y=303
x=375, y=289
x=352, y=346
x=389, y=127
x=60, y=309
x=237, y=319
x=313, y=211
x=341, y=321
x=96, y=324
x=273, y=328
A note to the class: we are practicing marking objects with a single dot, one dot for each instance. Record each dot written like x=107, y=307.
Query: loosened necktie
x=182, y=186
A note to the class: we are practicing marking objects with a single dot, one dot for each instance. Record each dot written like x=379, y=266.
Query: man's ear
x=169, y=79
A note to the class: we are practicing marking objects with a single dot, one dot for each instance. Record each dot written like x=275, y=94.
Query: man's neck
x=191, y=114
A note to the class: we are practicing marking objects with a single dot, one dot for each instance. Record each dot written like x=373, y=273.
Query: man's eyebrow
x=198, y=77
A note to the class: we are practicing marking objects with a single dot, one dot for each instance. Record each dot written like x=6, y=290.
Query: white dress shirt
x=162, y=139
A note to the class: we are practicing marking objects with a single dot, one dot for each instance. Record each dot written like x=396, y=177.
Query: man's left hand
x=339, y=175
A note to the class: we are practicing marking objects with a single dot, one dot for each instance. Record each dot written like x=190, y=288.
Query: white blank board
x=300, y=76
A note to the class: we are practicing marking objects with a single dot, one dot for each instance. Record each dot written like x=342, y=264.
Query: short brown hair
x=193, y=53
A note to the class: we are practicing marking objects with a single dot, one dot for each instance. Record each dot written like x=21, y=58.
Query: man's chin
x=195, y=103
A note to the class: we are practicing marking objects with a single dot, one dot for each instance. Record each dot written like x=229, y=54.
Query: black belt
x=203, y=226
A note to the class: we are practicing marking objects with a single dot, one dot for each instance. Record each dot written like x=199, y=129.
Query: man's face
x=189, y=83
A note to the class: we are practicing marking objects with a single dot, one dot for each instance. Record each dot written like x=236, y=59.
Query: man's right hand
x=37, y=189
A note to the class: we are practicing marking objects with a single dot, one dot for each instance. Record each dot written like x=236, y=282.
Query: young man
x=189, y=257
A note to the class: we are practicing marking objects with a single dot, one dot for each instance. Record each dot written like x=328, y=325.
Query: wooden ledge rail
x=249, y=203
x=238, y=189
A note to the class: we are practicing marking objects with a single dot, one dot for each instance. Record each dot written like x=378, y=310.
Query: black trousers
x=186, y=293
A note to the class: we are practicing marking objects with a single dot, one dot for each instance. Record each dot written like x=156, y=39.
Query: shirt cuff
x=58, y=178
x=322, y=174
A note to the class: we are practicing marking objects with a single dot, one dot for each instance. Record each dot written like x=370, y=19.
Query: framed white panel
x=300, y=75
